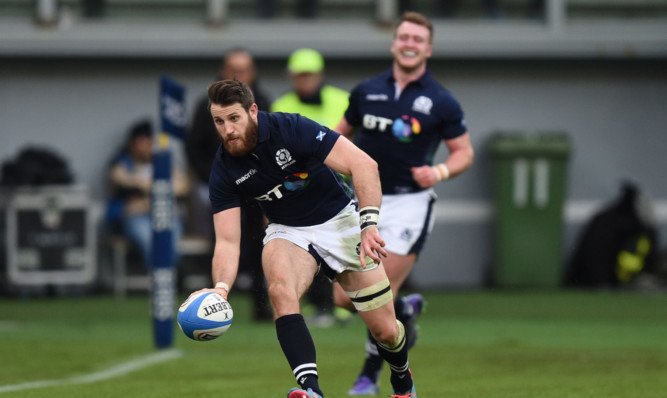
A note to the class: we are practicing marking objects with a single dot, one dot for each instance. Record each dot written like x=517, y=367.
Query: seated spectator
x=130, y=177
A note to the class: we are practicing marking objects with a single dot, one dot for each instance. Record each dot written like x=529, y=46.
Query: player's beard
x=245, y=143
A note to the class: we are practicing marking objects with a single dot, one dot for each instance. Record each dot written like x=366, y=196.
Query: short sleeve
x=311, y=139
x=453, y=120
x=222, y=192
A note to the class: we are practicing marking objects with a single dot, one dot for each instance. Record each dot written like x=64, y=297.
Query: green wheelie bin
x=529, y=174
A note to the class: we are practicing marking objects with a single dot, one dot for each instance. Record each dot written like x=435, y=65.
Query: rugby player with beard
x=290, y=165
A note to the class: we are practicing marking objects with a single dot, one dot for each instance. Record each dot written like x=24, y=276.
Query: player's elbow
x=465, y=157
x=369, y=164
x=470, y=157
x=364, y=165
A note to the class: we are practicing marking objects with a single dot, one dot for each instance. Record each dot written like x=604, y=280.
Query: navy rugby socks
x=299, y=349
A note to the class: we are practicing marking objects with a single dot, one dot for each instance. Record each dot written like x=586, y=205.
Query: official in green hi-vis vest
x=310, y=97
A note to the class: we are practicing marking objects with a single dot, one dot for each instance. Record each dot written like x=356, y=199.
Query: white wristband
x=441, y=171
x=222, y=285
x=368, y=216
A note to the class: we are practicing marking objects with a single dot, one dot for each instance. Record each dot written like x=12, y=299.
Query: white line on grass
x=116, y=371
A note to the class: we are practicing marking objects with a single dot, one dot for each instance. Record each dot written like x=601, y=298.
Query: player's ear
x=253, y=111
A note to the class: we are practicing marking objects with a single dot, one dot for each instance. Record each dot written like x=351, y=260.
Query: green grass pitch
x=472, y=344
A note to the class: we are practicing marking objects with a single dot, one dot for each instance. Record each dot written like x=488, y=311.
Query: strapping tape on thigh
x=372, y=297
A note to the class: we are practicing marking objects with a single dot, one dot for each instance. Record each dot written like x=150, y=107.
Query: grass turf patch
x=472, y=344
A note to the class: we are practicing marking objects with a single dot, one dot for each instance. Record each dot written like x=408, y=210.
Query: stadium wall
x=613, y=110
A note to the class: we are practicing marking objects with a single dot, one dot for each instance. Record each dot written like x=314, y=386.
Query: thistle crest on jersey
x=422, y=105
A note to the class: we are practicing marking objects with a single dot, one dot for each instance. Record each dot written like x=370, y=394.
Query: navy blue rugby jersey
x=285, y=172
x=404, y=132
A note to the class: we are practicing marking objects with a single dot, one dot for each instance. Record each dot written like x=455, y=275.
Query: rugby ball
x=205, y=316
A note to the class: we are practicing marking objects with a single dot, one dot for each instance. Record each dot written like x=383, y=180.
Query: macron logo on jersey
x=377, y=97
x=320, y=136
x=247, y=175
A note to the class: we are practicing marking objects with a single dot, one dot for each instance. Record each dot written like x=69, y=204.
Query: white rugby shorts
x=406, y=221
x=335, y=241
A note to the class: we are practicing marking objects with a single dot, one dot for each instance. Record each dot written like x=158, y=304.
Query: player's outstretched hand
x=372, y=246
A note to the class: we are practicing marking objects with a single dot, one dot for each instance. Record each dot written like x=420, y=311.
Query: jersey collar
x=423, y=79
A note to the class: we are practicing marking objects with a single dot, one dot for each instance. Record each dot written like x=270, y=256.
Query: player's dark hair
x=229, y=92
x=416, y=18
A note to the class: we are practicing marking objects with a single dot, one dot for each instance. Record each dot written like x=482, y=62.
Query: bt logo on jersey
x=372, y=122
x=273, y=193
x=293, y=182
x=403, y=128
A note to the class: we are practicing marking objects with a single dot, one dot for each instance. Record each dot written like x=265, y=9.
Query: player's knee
x=275, y=290
x=387, y=335
x=283, y=299
x=392, y=336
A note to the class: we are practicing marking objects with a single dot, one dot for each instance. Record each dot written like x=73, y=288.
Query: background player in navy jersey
x=402, y=115
x=286, y=162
